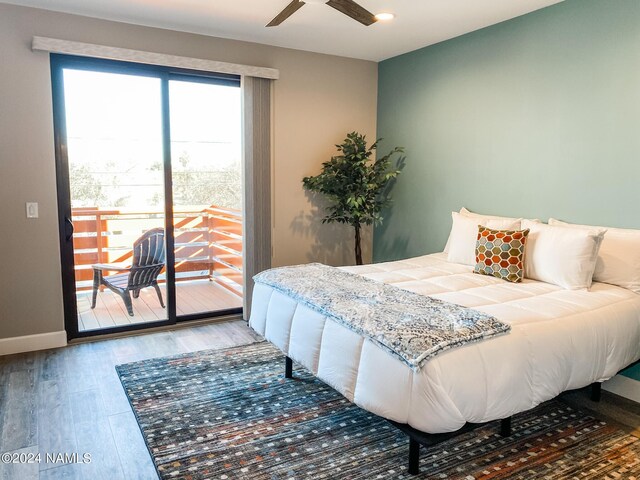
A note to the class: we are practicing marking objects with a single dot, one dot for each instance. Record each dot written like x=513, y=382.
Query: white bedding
x=559, y=340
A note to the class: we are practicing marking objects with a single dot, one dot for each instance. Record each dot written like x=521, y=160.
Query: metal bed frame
x=418, y=438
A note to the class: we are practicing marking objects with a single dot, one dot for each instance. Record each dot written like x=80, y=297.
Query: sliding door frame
x=165, y=75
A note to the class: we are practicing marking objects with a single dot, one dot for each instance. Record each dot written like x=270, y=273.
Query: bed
x=559, y=340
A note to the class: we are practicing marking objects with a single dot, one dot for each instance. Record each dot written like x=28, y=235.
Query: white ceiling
x=315, y=27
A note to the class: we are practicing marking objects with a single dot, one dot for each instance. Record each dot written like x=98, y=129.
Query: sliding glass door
x=149, y=181
x=207, y=195
x=114, y=148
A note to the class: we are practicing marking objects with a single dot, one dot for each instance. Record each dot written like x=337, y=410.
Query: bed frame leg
x=288, y=368
x=505, y=427
x=414, y=456
x=596, y=391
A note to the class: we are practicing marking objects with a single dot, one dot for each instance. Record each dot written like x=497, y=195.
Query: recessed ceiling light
x=385, y=16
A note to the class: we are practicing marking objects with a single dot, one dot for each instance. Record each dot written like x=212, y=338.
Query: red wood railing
x=208, y=242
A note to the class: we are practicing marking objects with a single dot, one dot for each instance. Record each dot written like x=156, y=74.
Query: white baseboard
x=623, y=386
x=30, y=343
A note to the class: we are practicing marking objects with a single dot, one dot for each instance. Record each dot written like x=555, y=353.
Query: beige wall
x=318, y=99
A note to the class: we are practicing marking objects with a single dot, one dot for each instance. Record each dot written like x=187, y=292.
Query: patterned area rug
x=225, y=414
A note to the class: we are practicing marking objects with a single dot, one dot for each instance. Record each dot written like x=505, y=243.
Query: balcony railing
x=208, y=242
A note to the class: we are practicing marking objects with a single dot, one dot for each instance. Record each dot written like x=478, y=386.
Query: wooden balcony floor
x=194, y=296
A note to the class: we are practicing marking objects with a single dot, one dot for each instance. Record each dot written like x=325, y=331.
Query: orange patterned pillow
x=500, y=253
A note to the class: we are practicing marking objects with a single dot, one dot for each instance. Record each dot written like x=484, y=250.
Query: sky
x=114, y=131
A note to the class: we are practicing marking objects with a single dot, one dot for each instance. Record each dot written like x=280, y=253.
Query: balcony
x=208, y=259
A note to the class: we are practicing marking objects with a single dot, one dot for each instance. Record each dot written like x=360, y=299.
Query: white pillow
x=618, y=260
x=467, y=213
x=562, y=256
x=464, y=235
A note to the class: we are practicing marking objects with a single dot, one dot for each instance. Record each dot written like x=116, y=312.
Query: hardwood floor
x=70, y=400
x=194, y=296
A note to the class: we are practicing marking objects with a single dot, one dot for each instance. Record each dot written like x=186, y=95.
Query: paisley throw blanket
x=410, y=326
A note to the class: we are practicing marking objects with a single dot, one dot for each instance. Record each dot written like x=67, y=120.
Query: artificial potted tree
x=356, y=184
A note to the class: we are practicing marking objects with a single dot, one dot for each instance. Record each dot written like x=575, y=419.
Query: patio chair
x=148, y=261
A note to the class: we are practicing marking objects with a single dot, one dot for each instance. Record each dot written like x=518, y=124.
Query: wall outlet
x=32, y=209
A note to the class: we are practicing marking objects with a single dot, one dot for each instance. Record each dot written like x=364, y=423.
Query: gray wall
x=535, y=117
x=318, y=99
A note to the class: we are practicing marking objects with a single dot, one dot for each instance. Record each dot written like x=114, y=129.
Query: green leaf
x=356, y=183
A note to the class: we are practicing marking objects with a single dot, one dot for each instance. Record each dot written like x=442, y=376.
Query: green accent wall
x=633, y=372
x=538, y=116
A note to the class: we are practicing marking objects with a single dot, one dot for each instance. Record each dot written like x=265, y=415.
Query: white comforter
x=559, y=340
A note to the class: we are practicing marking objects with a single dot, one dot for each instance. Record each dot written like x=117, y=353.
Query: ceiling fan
x=348, y=7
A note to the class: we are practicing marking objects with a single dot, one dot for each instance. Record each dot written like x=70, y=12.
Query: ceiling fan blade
x=353, y=10
x=289, y=10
